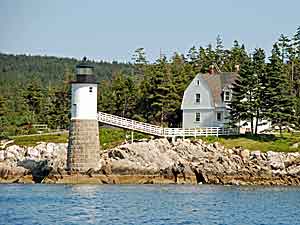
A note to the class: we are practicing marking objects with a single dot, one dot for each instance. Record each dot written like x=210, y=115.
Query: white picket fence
x=162, y=132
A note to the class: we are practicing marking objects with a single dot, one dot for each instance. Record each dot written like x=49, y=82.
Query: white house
x=205, y=101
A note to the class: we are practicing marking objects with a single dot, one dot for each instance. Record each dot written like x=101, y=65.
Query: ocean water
x=148, y=204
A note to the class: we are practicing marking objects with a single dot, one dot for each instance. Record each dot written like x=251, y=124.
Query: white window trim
x=229, y=95
x=197, y=113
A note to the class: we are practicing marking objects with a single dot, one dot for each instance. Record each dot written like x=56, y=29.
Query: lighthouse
x=84, y=146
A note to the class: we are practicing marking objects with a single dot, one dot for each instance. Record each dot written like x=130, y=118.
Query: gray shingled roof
x=218, y=82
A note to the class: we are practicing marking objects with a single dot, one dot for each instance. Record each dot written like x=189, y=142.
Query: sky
x=111, y=30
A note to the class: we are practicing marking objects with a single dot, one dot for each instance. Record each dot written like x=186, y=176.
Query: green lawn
x=259, y=142
x=109, y=137
x=33, y=140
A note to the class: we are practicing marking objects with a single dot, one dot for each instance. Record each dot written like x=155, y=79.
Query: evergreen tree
x=105, y=96
x=279, y=102
x=236, y=58
x=241, y=111
x=179, y=78
x=284, y=45
x=296, y=43
x=140, y=61
x=219, y=53
x=33, y=96
x=158, y=96
x=211, y=58
x=258, y=85
x=203, y=61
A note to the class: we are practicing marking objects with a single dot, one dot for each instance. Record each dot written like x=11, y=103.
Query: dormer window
x=227, y=96
x=198, y=98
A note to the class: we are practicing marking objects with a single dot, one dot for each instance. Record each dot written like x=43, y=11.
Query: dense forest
x=35, y=90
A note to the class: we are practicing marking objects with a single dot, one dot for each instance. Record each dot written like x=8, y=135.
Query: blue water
x=148, y=204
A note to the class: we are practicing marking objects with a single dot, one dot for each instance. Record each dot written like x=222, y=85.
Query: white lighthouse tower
x=84, y=146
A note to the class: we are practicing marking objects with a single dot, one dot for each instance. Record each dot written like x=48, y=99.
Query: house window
x=197, y=98
x=91, y=89
x=198, y=82
x=219, y=116
x=227, y=96
x=198, y=117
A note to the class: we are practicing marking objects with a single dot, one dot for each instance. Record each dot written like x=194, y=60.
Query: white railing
x=163, y=132
x=195, y=132
x=129, y=124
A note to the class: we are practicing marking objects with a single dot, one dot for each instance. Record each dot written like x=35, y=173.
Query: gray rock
x=245, y=155
x=294, y=170
x=2, y=155
x=255, y=155
x=33, y=153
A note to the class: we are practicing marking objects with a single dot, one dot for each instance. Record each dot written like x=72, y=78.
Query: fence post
x=217, y=131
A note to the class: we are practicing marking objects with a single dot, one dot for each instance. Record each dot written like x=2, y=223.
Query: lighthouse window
x=91, y=89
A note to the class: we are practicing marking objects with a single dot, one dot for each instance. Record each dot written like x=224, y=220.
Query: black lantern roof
x=84, y=64
x=85, y=73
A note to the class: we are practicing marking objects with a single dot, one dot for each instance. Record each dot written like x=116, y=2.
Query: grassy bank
x=109, y=137
x=263, y=143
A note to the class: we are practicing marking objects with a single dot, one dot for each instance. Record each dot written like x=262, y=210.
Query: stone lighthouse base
x=84, y=146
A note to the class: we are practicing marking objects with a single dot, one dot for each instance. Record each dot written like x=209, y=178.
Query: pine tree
x=33, y=96
x=211, y=57
x=203, y=61
x=296, y=43
x=105, y=96
x=219, y=57
x=241, y=111
x=139, y=61
x=279, y=102
x=236, y=57
x=247, y=97
x=284, y=45
x=161, y=89
x=179, y=78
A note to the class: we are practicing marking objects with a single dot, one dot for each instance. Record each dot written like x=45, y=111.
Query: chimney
x=211, y=69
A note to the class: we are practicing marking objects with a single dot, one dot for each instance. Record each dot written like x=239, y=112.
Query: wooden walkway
x=160, y=131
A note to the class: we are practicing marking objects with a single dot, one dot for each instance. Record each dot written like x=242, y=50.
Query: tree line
x=36, y=90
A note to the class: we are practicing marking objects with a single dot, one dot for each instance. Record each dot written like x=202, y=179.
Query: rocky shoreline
x=153, y=162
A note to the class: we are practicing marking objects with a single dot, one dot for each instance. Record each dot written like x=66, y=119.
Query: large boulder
x=7, y=171
x=276, y=160
x=33, y=153
x=14, y=153
x=142, y=157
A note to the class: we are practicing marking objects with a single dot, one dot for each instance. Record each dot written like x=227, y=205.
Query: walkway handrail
x=129, y=124
x=162, y=132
